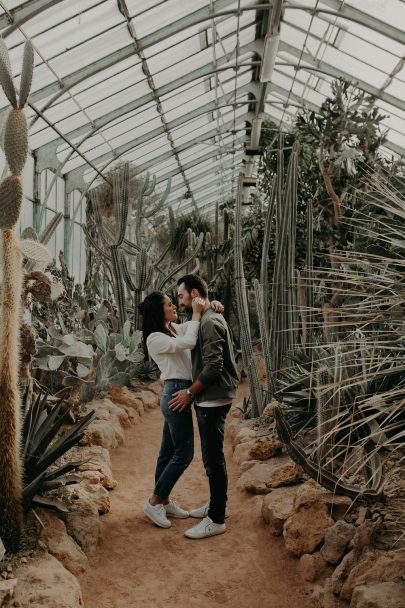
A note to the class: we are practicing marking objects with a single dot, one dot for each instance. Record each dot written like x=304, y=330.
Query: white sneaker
x=203, y=511
x=157, y=513
x=205, y=528
x=174, y=510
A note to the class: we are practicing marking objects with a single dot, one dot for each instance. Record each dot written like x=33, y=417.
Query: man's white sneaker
x=205, y=528
x=203, y=511
x=174, y=510
x=157, y=513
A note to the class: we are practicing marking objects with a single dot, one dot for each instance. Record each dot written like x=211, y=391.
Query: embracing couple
x=197, y=365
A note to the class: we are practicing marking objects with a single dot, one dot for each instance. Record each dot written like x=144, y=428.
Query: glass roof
x=173, y=86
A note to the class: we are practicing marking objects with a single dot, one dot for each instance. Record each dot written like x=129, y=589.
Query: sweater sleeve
x=213, y=339
x=160, y=343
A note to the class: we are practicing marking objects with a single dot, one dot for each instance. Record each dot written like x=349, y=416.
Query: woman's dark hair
x=153, y=316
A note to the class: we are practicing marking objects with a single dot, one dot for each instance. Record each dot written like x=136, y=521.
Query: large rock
x=2, y=550
x=262, y=477
x=96, y=459
x=128, y=400
x=107, y=410
x=235, y=430
x=310, y=492
x=360, y=544
x=7, y=592
x=337, y=539
x=86, y=501
x=60, y=544
x=304, y=531
x=374, y=567
x=106, y=433
x=380, y=595
x=155, y=387
x=243, y=435
x=45, y=583
x=277, y=507
x=324, y=597
x=241, y=452
x=88, y=495
x=149, y=399
x=312, y=566
x=264, y=448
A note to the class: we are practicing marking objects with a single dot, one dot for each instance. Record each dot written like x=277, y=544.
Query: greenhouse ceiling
x=180, y=87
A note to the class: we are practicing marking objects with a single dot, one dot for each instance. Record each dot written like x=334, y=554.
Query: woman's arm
x=159, y=343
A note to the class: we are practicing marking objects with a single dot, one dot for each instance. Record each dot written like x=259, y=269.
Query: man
x=215, y=382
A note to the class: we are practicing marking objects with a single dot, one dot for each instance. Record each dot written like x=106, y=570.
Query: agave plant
x=43, y=445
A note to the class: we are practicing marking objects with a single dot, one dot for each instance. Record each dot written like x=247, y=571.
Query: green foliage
x=197, y=223
x=43, y=445
x=246, y=408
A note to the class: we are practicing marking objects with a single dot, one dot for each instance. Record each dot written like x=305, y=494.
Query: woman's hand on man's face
x=198, y=304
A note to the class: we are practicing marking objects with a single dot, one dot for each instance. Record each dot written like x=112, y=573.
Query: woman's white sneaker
x=157, y=513
x=205, y=528
x=203, y=511
x=174, y=510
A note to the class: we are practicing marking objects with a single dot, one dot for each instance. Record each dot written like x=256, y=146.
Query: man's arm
x=213, y=340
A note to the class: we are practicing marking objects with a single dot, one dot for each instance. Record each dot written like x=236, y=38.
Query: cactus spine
x=15, y=147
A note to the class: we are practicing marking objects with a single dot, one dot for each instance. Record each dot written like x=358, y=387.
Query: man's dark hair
x=193, y=281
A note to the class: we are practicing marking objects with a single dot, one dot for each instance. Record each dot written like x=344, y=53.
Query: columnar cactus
x=284, y=307
x=249, y=361
x=226, y=224
x=113, y=238
x=11, y=197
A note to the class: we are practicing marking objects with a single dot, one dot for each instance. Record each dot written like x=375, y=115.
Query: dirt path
x=138, y=565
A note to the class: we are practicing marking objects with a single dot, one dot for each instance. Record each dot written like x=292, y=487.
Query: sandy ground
x=138, y=565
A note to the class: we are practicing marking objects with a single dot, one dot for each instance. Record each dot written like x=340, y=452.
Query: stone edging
x=331, y=538
x=49, y=579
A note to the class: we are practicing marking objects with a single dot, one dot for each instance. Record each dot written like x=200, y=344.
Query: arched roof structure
x=180, y=86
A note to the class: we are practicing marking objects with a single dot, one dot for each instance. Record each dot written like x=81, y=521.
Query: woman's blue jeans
x=177, y=448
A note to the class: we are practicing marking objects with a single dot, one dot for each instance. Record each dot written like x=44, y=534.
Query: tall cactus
x=11, y=197
x=264, y=281
x=264, y=336
x=284, y=306
x=113, y=237
x=249, y=361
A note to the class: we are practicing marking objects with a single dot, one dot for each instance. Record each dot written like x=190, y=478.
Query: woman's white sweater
x=172, y=354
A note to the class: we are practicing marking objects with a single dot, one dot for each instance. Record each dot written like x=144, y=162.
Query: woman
x=169, y=345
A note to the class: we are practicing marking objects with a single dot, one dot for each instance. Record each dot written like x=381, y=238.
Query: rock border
x=49, y=579
x=331, y=537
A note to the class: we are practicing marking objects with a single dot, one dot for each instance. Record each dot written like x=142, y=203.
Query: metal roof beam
x=212, y=170
x=192, y=163
x=202, y=72
x=330, y=70
x=71, y=80
x=24, y=12
x=150, y=135
x=216, y=181
x=363, y=18
x=74, y=175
